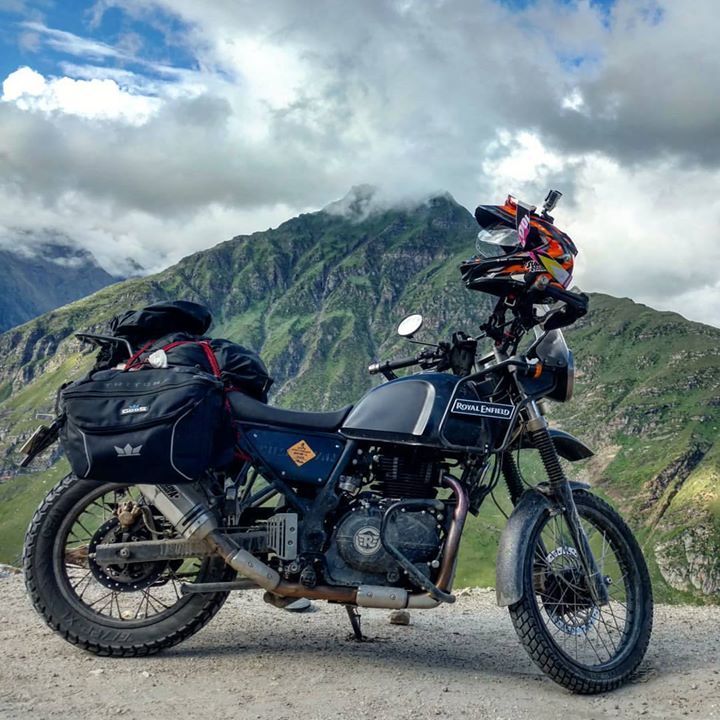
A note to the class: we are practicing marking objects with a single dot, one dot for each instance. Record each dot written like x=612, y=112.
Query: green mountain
x=320, y=296
x=44, y=274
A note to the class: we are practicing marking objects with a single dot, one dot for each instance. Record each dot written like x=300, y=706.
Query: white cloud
x=72, y=44
x=290, y=104
x=113, y=238
x=574, y=101
x=520, y=159
x=649, y=232
x=97, y=99
x=270, y=73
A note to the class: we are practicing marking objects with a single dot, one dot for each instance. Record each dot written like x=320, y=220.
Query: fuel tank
x=429, y=409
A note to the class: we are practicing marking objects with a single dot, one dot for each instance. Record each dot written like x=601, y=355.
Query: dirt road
x=254, y=661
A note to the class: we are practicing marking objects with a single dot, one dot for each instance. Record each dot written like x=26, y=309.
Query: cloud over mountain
x=153, y=129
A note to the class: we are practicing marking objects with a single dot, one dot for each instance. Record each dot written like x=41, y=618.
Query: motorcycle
x=365, y=507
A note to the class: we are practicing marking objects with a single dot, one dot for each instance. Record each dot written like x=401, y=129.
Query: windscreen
x=553, y=348
x=496, y=241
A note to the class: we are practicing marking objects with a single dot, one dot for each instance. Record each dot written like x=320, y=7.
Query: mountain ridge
x=319, y=297
x=43, y=273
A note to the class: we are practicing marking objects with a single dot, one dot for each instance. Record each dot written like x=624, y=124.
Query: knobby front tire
x=81, y=603
x=585, y=648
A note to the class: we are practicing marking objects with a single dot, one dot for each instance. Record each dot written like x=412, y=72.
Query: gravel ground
x=254, y=661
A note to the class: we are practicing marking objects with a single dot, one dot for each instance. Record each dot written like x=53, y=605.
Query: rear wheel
x=585, y=647
x=125, y=609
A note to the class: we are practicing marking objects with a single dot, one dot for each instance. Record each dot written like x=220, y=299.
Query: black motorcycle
x=365, y=507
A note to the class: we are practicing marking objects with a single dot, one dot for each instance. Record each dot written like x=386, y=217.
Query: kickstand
x=354, y=616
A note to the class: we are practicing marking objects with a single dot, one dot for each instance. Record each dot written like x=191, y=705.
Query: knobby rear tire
x=100, y=635
x=538, y=641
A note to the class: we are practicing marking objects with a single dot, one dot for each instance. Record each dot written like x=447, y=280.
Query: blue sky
x=156, y=37
x=156, y=40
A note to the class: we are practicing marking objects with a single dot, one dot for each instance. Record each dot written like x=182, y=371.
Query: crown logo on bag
x=128, y=450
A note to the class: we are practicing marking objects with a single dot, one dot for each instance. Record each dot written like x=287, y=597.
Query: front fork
x=561, y=492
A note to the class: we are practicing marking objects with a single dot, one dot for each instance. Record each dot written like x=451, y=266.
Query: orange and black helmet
x=518, y=249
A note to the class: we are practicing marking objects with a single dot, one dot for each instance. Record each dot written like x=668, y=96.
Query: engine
x=408, y=475
x=356, y=554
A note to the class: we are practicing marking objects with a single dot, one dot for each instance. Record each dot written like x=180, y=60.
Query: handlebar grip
x=379, y=367
x=576, y=305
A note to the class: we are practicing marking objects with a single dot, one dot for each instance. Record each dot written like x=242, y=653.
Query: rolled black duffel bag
x=150, y=426
x=161, y=318
x=138, y=327
x=240, y=369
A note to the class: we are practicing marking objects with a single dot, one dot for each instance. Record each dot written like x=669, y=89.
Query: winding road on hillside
x=253, y=661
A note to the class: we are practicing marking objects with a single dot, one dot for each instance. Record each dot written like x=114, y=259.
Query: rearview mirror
x=410, y=325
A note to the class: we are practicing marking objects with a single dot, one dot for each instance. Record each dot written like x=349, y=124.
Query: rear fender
x=514, y=543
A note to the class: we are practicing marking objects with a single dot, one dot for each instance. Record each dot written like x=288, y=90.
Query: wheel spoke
x=157, y=600
x=87, y=577
x=143, y=601
x=85, y=530
x=100, y=599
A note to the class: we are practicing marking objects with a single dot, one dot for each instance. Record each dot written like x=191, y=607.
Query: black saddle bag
x=148, y=426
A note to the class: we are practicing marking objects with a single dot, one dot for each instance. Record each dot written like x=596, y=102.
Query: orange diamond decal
x=300, y=453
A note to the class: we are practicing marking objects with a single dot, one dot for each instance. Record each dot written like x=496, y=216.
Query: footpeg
x=278, y=601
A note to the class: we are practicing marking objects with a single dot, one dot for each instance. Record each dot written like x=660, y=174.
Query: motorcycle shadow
x=461, y=642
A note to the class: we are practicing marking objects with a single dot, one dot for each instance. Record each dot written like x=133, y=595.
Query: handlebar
x=457, y=355
x=380, y=367
x=521, y=365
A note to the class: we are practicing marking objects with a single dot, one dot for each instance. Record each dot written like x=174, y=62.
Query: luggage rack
x=100, y=340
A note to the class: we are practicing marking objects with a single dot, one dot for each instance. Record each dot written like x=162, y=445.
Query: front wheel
x=126, y=609
x=584, y=647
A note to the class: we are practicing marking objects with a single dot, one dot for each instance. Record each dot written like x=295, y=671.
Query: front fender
x=567, y=446
x=514, y=543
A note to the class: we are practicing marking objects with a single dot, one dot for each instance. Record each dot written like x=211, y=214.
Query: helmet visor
x=496, y=241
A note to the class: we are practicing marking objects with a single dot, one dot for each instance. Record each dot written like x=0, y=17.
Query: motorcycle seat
x=249, y=410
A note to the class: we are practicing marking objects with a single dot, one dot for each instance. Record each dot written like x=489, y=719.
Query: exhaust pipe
x=243, y=561
x=185, y=509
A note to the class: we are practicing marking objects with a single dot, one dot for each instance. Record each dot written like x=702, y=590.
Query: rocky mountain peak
x=359, y=202
x=362, y=201
x=43, y=270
